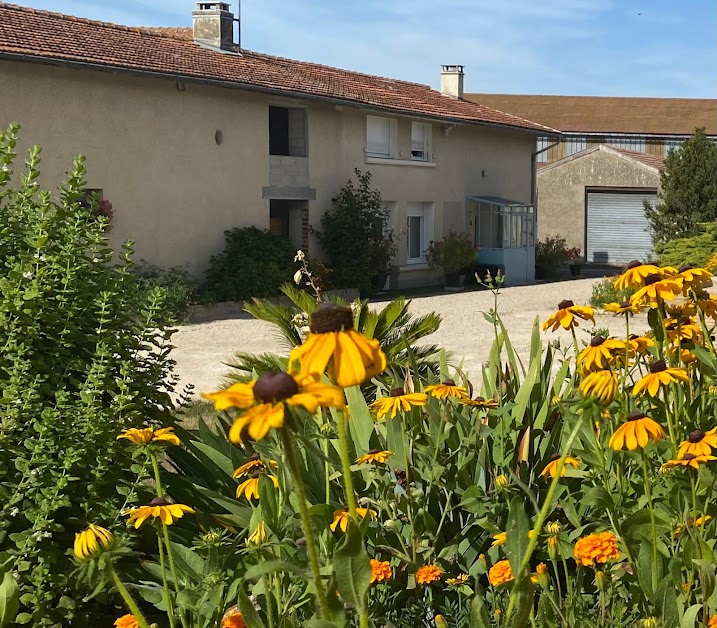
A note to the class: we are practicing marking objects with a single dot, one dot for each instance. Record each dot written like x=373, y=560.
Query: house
x=189, y=134
x=592, y=182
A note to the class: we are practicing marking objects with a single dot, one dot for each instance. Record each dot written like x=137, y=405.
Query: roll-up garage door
x=617, y=230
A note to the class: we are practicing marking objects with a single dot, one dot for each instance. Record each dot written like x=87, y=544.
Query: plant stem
x=267, y=597
x=170, y=606
x=157, y=480
x=173, y=569
x=131, y=604
x=305, y=522
x=648, y=493
x=346, y=465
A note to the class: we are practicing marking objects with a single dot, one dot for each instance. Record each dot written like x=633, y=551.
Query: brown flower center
x=684, y=268
x=635, y=415
x=253, y=458
x=689, y=457
x=653, y=278
x=565, y=304
x=555, y=457
x=330, y=317
x=275, y=387
x=397, y=392
x=634, y=264
x=696, y=436
x=658, y=366
x=373, y=452
x=597, y=341
x=159, y=501
x=625, y=304
x=449, y=382
x=479, y=399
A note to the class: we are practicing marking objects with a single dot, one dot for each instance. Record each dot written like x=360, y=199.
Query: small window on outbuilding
x=287, y=131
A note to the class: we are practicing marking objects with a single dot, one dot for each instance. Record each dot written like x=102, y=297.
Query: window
x=543, y=143
x=420, y=141
x=575, y=145
x=380, y=137
x=419, y=230
x=287, y=131
x=628, y=144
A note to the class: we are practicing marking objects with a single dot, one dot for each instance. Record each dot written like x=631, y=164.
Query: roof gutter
x=257, y=88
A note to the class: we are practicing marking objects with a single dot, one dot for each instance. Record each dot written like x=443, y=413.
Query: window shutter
x=419, y=140
x=378, y=136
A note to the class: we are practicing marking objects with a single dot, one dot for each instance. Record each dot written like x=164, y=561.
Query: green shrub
x=453, y=253
x=84, y=356
x=254, y=263
x=551, y=254
x=355, y=237
x=605, y=292
x=175, y=283
x=695, y=250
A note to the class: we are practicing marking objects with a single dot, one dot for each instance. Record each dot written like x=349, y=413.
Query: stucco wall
x=151, y=148
x=561, y=191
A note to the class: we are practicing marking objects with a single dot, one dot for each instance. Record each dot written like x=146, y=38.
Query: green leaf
x=526, y=595
x=9, y=599
x=251, y=617
x=360, y=422
x=707, y=576
x=517, y=528
x=352, y=567
x=689, y=619
x=269, y=501
x=272, y=566
x=666, y=603
x=479, y=617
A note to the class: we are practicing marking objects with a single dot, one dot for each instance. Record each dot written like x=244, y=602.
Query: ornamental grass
x=344, y=489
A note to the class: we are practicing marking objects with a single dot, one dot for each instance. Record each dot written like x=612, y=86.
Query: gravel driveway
x=201, y=350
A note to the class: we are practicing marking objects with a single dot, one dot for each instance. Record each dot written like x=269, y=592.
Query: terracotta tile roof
x=600, y=114
x=53, y=37
x=652, y=161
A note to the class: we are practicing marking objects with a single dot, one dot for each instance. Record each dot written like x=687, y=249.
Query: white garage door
x=617, y=230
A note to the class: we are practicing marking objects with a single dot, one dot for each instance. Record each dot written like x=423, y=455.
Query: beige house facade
x=184, y=156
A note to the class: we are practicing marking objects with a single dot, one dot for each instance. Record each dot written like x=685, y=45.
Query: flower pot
x=575, y=270
x=378, y=283
x=454, y=281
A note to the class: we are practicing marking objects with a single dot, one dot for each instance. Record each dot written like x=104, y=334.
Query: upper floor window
x=287, y=131
x=380, y=137
x=420, y=141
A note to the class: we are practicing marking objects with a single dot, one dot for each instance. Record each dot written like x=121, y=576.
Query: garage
x=617, y=230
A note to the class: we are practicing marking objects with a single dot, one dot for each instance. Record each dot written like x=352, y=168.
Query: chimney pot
x=452, y=81
x=213, y=26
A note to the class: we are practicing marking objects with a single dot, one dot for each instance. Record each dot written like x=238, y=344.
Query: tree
x=688, y=193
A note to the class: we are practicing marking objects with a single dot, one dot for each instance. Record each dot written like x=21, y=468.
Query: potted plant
x=575, y=261
x=382, y=251
x=454, y=253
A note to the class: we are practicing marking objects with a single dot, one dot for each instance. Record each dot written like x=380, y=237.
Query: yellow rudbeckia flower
x=694, y=278
x=480, y=402
x=637, y=431
x=374, y=456
x=656, y=291
x=599, y=353
x=625, y=307
x=659, y=375
x=159, y=508
x=689, y=460
x=635, y=274
x=699, y=443
x=552, y=467
x=445, y=389
x=601, y=385
x=335, y=347
x=568, y=314
x=342, y=517
x=92, y=541
x=148, y=435
x=250, y=488
x=398, y=401
x=254, y=464
x=264, y=401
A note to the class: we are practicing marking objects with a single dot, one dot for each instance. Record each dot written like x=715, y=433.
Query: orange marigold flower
x=500, y=573
x=713, y=621
x=596, y=548
x=233, y=619
x=380, y=570
x=428, y=574
x=126, y=621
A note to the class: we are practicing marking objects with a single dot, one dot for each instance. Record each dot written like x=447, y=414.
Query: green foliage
x=254, y=263
x=453, y=253
x=552, y=253
x=176, y=285
x=355, y=237
x=604, y=292
x=85, y=354
x=688, y=194
x=695, y=250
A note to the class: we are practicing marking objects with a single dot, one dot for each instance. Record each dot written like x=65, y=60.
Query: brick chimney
x=213, y=26
x=452, y=81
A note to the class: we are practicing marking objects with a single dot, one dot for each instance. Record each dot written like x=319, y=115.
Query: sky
x=662, y=48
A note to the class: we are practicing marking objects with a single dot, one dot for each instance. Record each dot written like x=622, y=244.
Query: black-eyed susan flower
x=428, y=573
x=264, y=401
x=598, y=354
x=374, y=456
x=596, y=548
x=254, y=464
x=398, y=401
x=660, y=375
x=568, y=314
x=500, y=573
x=447, y=388
x=499, y=539
x=682, y=328
x=458, y=581
x=689, y=460
x=335, y=347
x=479, y=402
x=250, y=488
x=700, y=522
x=625, y=308
x=698, y=443
x=552, y=467
x=637, y=431
x=708, y=304
x=342, y=517
x=380, y=570
x=92, y=541
x=635, y=274
x=656, y=291
x=600, y=385
x=159, y=509
x=640, y=344
x=148, y=435
x=693, y=278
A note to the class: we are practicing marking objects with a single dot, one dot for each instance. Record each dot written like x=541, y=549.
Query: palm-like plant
x=398, y=331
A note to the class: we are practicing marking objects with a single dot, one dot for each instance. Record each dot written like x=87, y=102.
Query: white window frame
x=425, y=212
x=392, y=137
x=425, y=149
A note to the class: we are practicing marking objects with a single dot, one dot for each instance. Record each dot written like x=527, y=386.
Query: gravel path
x=202, y=350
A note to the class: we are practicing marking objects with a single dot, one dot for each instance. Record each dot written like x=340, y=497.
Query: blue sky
x=584, y=47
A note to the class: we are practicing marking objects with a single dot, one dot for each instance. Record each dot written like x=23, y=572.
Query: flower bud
x=502, y=481
x=441, y=622
x=553, y=547
x=554, y=527
x=600, y=580
x=481, y=558
x=543, y=578
x=649, y=622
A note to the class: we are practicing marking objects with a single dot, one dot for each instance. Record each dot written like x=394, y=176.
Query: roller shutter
x=617, y=230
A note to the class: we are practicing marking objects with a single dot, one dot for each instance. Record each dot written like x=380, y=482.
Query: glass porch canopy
x=499, y=223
